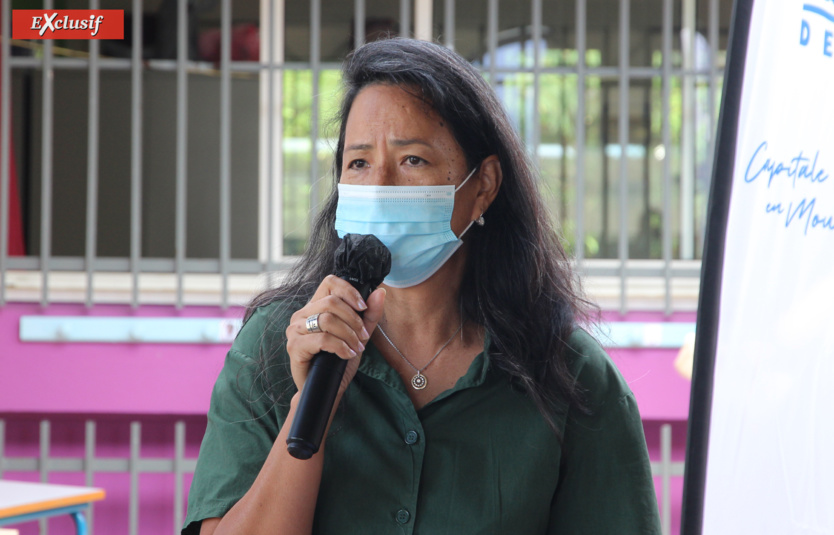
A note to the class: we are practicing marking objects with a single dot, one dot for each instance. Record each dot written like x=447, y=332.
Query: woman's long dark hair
x=518, y=282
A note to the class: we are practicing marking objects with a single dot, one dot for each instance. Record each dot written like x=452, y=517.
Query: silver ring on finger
x=313, y=325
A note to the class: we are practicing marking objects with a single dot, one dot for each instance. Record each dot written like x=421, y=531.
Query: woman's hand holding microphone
x=335, y=326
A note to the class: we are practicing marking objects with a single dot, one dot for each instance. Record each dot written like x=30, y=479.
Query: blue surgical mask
x=414, y=222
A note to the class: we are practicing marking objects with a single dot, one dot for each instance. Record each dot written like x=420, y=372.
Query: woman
x=472, y=402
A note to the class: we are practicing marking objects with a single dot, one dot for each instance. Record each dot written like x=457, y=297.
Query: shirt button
x=403, y=516
x=411, y=437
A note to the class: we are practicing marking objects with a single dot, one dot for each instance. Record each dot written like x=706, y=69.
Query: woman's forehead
x=393, y=108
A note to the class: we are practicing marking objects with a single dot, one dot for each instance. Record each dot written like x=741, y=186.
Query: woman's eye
x=414, y=160
x=357, y=164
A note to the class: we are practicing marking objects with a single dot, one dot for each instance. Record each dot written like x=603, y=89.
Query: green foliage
x=298, y=102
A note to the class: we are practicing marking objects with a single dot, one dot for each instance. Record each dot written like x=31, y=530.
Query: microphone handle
x=317, y=398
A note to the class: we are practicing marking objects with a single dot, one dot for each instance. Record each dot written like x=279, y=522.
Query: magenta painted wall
x=158, y=384
x=106, y=378
x=177, y=378
x=661, y=392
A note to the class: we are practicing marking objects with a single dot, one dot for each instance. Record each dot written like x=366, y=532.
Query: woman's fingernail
x=361, y=346
x=365, y=334
x=362, y=305
x=352, y=352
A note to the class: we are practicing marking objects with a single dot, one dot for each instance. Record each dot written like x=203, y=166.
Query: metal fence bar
x=92, y=161
x=269, y=7
x=89, y=461
x=666, y=477
x=623, y=134
x=225, y=148
x=154, y=265
x=278, y=128
x=270, y=244
x=136, y=155
x=358, y=23
x=182, y=146
x=581, y=36
x=68, y=64
x=714, y=71
x=43, y=464
x=612, y=72
x=240, y=67
x=179, y=456
x=405, y=18
x=106, y=465
x=135, y=448
x=43, y=459
x=449, y=24
x=667, y=146
x=492, y=37
x=315, y=69
x=688, y=134
x=535, y=137
x=5, y=145
x=423, y=20
x=46, y=163
x=597, y=267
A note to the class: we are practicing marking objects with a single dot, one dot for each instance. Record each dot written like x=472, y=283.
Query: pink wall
x=661, y=392
x=106, y=378
x=177, y=378
x=158, y=384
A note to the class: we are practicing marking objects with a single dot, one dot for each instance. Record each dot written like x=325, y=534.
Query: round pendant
x=418, y=382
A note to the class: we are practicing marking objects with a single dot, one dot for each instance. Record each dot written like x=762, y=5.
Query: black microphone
x=364, y=262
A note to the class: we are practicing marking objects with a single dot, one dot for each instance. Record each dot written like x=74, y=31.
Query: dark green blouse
x=477, y=459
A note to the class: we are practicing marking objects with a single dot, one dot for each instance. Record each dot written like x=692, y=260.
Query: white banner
x=770, y=465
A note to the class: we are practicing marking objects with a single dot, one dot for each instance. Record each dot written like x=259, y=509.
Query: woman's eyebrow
x=359, y=146
x=406, y=142
x=395, y=142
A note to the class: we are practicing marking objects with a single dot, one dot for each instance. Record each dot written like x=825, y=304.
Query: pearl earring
x=480, y=221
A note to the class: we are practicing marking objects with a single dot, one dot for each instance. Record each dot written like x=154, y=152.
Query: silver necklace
x=419, y=381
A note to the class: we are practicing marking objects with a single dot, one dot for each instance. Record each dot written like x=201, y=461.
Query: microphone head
x=362, y=260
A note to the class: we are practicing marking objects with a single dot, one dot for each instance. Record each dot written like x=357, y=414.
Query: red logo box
x=68, y=24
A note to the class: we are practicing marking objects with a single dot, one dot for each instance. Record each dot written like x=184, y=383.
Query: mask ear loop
x=465, y=180
x=464, y=230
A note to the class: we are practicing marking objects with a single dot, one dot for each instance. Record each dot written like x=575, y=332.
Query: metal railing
x=271, y=204
x=91, y=464
x=179, y=465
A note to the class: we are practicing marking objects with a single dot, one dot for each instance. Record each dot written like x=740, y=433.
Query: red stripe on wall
x=16, y=246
